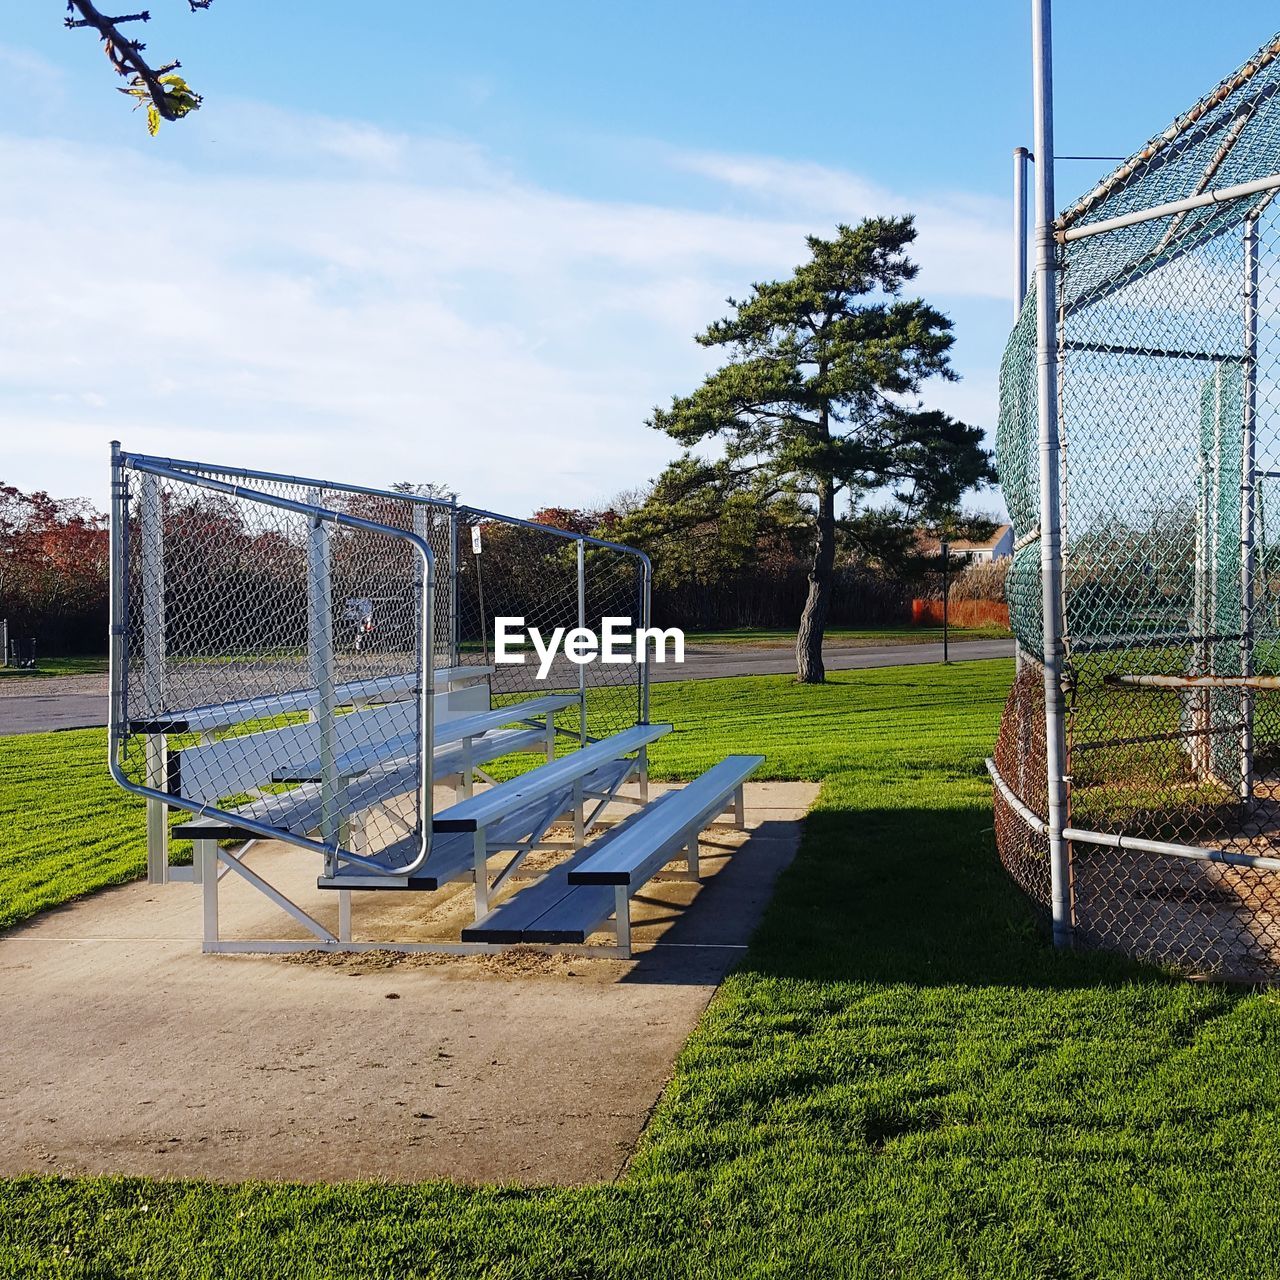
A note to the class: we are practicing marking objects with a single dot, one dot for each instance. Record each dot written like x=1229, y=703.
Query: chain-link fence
x=286, y=651
x=1168, y=364
x=247, y=687
x=554, y=581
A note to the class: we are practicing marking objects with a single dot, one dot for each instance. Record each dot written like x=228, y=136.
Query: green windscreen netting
x=1168, y=343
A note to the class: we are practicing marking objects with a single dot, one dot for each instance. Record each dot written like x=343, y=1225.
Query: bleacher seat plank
x=477, y=811
x=514, y=919
x=649, y=842
x=552, y=909
x=487, y=744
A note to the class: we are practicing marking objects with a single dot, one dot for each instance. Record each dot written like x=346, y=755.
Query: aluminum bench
x=575, y=899
x=539, y=797
x=452, y=856
x=373, y=761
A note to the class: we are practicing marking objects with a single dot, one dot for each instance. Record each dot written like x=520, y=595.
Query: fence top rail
x=562, y=533
x=155, y=467
x=308, y=482
x=1218, y=195
x=148, y=462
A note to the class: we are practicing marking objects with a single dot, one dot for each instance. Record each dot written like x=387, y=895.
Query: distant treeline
x=774, y=598
x=730, y=572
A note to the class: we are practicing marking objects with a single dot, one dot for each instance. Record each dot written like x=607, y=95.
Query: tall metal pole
x=946, y=592
x=1248, y=501
x=1020, y=157
x=1020, y=160
x=582, y=623
x=1050, y=512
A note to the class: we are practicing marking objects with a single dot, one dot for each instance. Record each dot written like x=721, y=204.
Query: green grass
x=87, y=665
x=65, y=827
x=843, y=637
x=901, y=1079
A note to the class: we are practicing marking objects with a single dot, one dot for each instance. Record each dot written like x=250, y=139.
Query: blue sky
x=470, y=244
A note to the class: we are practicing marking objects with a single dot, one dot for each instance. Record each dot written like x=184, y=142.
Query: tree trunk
x=813, y=621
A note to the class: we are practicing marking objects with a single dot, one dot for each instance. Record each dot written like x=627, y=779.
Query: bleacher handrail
x=118, y=663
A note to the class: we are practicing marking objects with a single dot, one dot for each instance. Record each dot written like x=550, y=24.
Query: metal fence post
x=1050, y=512
x=420, y=521
x=1020, y=158
x=151, y=569
x=118, y=594
x=646, y=612
x=1248, y=501
x=454, y=647
x=582, y=622
x=320, y=659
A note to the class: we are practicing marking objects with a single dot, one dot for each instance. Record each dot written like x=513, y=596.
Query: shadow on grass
x=916, y=896
x=888, y=896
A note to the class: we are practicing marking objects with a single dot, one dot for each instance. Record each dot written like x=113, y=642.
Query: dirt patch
x=516, y=962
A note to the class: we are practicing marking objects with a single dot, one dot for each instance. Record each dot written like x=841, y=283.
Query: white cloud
x=963, y=238
x=324, y=297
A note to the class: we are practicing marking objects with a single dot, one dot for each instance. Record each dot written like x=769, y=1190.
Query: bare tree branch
x=167, y=96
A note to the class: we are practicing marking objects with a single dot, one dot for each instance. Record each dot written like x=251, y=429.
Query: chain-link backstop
x=1166, y=340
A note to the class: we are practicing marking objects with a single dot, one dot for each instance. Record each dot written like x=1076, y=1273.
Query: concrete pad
x=123, y=1049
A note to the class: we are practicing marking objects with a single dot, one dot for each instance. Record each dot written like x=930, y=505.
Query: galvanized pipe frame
x=456, y=513
x=118, y=665
x=1121, y=842
x=1219, y=195
x=1048, y=338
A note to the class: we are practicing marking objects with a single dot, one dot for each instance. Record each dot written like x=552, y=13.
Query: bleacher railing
x=245, y=683
x=279, y=642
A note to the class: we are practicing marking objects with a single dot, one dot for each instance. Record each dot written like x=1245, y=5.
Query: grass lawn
x=844, y=637
x=900, y=1079
x=88, y=665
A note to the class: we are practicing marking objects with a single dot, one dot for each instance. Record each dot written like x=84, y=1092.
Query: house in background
x=997, y=547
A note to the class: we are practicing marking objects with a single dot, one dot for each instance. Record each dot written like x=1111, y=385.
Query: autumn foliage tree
x=54, y=568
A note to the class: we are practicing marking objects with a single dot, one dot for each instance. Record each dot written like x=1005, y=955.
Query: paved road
x=38, y=703
x=708, y=662
x=78, y=702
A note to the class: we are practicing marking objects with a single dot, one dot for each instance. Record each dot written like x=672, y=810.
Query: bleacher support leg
x=643, y=757
x=157, y=812
x=344, y=915
x=691, y=860
x=622, y=915
x=579, y=816
x=205, y=854
x=481, y=850
x=739, y=810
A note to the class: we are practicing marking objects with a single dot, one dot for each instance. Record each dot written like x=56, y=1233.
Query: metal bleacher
x=306, y=662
